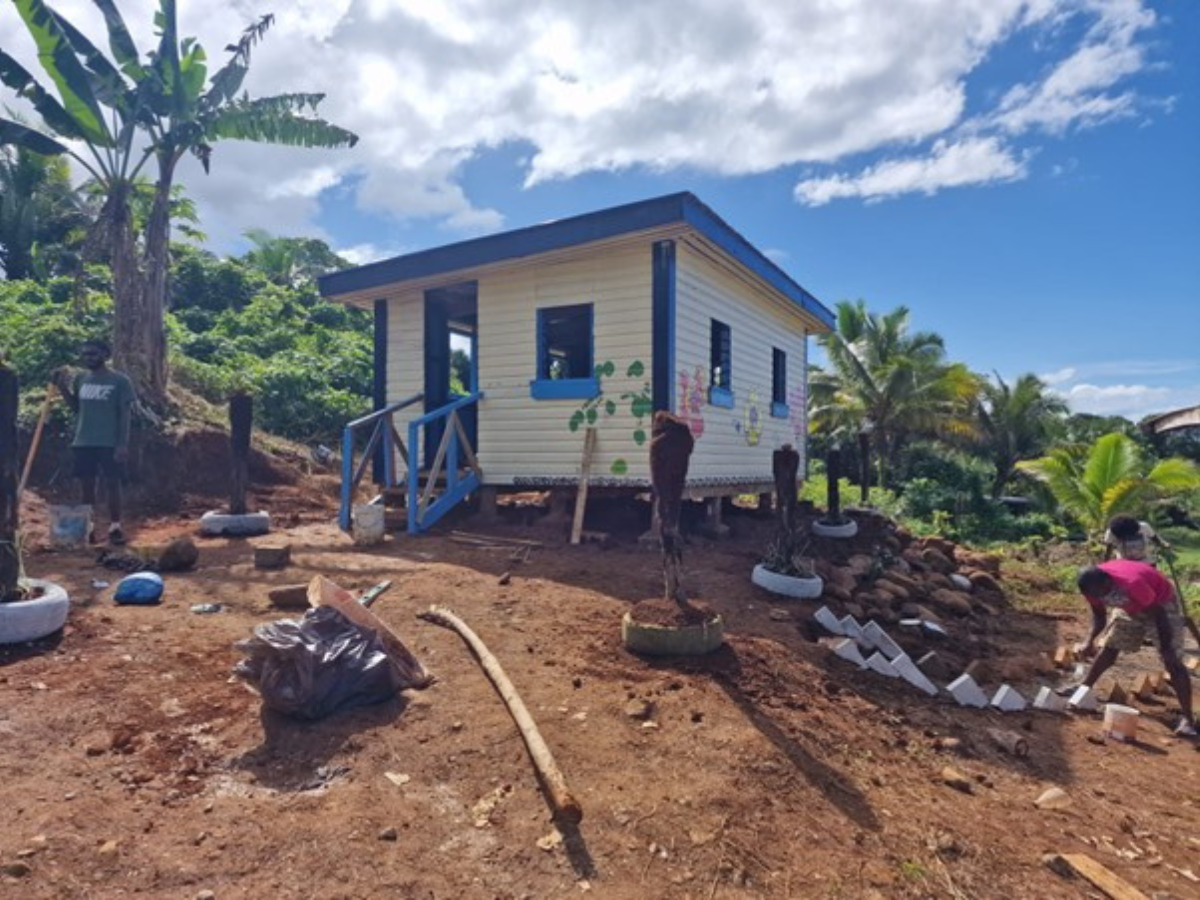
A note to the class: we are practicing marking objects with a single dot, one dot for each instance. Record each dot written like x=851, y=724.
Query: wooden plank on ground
x=1104, y=880
x=497, y=538
x=585, y=474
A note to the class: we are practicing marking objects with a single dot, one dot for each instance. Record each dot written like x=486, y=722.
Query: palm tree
x=888, y=383
x=1014, y=423
x=115, y=116
x=1093, y=484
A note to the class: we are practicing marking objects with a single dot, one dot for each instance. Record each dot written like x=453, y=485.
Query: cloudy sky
x=1022, y=175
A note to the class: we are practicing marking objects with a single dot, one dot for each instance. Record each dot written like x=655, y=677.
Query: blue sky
x=1022, y=174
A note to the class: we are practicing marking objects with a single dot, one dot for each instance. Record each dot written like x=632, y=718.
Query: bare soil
x=130, y=763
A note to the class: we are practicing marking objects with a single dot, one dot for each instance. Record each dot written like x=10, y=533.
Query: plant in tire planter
x=786, y=568
x=29, y=609
x=834, y=523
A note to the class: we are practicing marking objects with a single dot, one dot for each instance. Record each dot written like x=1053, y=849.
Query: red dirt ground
x=131, y=764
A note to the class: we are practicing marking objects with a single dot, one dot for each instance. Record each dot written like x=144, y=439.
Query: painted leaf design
x=591, y=416
x=576, y=421
x=639, y=437
x=619, y=467
x=636, y=369
x=640, y=407
x=609, y=368
x=610, y=407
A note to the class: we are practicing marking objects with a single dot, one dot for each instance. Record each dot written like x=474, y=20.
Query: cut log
x=562, y=802
x=1104, y=880
x=323, y=592
x=272, y=556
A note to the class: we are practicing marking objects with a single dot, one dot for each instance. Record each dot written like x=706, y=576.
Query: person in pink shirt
x=1128, y=599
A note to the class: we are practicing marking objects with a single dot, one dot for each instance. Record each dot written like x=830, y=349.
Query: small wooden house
x=592, y=322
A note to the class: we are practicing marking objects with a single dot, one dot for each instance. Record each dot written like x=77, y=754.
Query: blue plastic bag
x=139, y=589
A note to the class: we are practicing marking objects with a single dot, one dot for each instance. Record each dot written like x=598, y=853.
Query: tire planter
x=682, y=639
x=246, y=525
x=29, y=620
x=846, y=529
x=794, y=586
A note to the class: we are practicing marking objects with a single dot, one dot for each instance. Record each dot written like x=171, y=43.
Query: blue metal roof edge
x=523, y=242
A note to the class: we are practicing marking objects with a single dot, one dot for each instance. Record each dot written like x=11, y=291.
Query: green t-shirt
x=103, y=397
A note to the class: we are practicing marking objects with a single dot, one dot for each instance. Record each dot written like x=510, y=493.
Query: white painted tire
x=835, y=530
x=29, y=620
x=787, y=585
x=245, y=525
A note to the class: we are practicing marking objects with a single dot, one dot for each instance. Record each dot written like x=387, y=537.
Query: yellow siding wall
x=736, y=444
x=522, y=439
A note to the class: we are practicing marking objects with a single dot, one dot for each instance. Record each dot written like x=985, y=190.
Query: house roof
x=682, y=208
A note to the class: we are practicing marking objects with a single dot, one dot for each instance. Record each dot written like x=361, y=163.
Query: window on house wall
x=564, y=354
x=720, y=365
x=779, y=407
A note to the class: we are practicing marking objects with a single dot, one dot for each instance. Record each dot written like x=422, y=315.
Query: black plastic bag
x=311, y=667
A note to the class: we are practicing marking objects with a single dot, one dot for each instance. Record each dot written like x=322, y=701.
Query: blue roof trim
x=536, y=239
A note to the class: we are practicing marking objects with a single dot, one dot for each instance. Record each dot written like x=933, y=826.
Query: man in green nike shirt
x=102, y=399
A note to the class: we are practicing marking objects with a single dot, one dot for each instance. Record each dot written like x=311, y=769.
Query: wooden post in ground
x=585, y=473
x=241, y=419
x=10, y=560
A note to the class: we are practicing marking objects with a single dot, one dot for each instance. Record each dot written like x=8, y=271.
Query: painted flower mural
x=691, y=399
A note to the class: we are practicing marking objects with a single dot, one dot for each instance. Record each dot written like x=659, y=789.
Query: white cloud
x=1058, y=377
x=609, y=85
x=1133, y=401
x=972, y=162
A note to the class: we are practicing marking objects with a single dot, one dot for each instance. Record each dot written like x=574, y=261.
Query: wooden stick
x=585, y=473
x=562, y=802
x=1097, y=875
x=37, y=439
x=496, y=538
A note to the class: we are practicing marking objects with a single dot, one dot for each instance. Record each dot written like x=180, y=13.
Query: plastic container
x=1120, y=722
x=366, y=523
x=70, y=526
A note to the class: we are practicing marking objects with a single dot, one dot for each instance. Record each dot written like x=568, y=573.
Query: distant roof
x=1172, y=421
x=683, y=207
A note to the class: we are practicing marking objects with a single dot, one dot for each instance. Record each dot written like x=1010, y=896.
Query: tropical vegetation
x=115, y=116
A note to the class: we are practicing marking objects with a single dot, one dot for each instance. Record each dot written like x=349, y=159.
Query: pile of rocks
x=887, y=574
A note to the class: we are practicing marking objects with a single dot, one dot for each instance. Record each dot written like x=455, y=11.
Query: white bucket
x=1120, y=722
x=70, y=526
x=366, y=523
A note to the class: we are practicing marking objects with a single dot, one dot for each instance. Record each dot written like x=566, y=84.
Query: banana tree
x=1093, y=484
x=116, y=115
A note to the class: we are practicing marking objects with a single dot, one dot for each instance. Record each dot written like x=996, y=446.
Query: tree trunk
x=10, y=560
x=129, y=310
x=157, y=261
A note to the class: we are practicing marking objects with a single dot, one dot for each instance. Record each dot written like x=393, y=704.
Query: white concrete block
x=881, y=640
x=827, y=620
x=912, y=673
x=1007, y=699
x=967, y=692
x=1084, y=700
x=848, y=650
x=852, y=630
x=1050, y=701
x=880, y=664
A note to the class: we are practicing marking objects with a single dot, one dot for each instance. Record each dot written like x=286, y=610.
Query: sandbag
x=139, y=589
x=308, y=668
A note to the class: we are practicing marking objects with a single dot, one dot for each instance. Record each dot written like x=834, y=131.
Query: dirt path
x=129, y=762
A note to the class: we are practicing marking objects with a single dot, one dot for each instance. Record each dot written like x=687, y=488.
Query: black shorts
x=92, y=461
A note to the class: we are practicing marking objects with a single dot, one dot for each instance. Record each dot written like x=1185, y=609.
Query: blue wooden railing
x=453, y=450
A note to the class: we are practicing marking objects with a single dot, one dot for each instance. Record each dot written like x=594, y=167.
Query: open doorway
x=451, y=358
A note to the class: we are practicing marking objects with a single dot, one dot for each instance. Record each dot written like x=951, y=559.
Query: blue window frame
x=565, y=364
x=720, y=365
x=779, y=407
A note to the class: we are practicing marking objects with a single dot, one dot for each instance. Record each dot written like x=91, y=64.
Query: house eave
x=361, y=285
